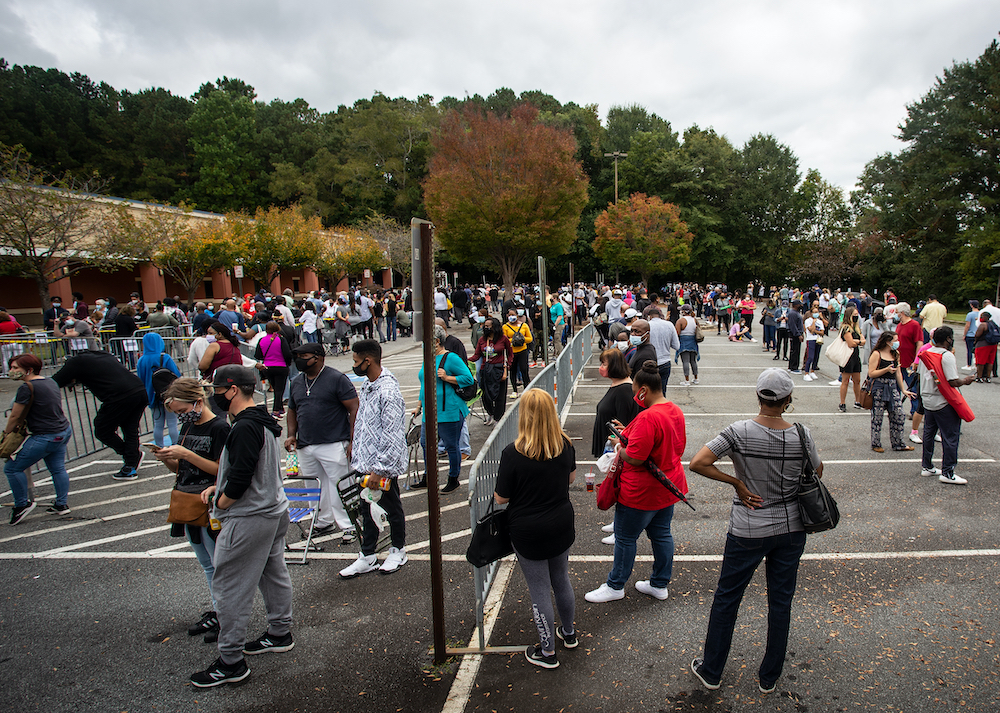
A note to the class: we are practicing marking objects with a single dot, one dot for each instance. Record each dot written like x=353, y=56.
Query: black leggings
x=278, y=376
x=519, y=369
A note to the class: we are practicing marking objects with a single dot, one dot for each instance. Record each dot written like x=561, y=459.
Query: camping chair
x=303, y=503
x=476, y=407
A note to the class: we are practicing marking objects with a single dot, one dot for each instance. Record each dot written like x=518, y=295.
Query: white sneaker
x=807, y=377
x=645, y=587
x=953, y=479
x=968, y=368
x=695, y=382
x=609, y=540
x=604, y=593
x=915, y=438
x=608, y=528
x=834, y=383
x=396, y=559
x=927, y=472
x=937, y=437
x=362, y=565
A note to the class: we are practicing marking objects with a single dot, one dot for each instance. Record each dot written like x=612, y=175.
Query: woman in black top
x=888, y=389
x=618, y=403
x=50, y=432
x=495, y=351
x=850, y=332
x=535, y=473
x=195, y=459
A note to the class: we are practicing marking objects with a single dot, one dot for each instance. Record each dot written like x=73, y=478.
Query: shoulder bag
x=610, y=488
x=468, y=393
x=187, y=508
x=816, y=506
x=866, y=394
x=12, y=440
x=839, y=352
x=490, y=539
x=699, y=336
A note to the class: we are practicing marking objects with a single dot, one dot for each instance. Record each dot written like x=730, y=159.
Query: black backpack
x=992, y=333
x=161, y=379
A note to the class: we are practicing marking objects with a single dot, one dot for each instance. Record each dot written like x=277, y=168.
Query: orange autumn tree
x=643, y=234
x=504, y=189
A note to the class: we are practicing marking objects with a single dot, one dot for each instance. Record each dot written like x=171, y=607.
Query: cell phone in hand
x=151, y=446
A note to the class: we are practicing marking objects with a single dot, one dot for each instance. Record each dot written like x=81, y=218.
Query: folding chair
x=302, y=504
x=476, y=407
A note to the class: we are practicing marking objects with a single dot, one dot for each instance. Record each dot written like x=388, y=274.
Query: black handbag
x=816, y=506
x=490, y=539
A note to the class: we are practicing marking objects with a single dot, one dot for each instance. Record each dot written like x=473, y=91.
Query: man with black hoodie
x=252, y=511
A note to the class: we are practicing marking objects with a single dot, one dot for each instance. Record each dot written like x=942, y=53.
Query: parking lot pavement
x=896, y=608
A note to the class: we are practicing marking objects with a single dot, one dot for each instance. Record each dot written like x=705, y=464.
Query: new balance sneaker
x=267, y=643
x=569, y=640
x=858, y=406
x=219, y=673
x=534, y=655
x=914, y=438
x=57, y=510
x=842, y=408
x=396, y=559
x=767, y=687
x=604, y=593
x=645, y=587
x=20, y=513
x=695, y=669
x=927, y=472
x=126, y=473
x=362, y=565
x=610, y=527
x=952, y=478
x=609, y=540
x=209, y=622
x=348, y=536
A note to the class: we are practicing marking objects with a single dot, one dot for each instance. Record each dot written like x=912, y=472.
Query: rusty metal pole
x=430, y=452
x=572, y=301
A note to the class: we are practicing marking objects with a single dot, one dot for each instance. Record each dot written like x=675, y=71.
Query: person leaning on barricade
x=764, y=524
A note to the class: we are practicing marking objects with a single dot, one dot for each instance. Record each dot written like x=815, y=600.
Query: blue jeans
x=449, y=432
x=310, y=337
x=391, y=328
x=161, y=417
x=205, y=552
x=664, y=370
x=741, y=559
x=629, y=523
x=769, y=335
x=48, y=446
x=464, y=446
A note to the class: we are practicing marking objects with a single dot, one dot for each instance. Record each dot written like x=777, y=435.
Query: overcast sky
x=831, y=80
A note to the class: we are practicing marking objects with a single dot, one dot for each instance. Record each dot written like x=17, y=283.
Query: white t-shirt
x=930, y=396
x=993, y=312
x=810, y=337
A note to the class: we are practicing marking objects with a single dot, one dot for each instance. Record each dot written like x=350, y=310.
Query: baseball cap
x=630, y=313
x=234, y=375
x=310, y=348
x=774, y=384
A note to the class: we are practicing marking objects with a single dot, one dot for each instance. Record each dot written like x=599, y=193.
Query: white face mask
x=623, y=346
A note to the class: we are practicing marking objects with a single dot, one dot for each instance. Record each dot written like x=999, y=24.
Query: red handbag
x=610, y=487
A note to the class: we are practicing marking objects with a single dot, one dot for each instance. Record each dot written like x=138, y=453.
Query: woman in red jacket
x=644, y=503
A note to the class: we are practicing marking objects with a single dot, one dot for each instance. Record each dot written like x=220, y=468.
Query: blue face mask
x=895, y=346
x=480, y=319
x=636, y=340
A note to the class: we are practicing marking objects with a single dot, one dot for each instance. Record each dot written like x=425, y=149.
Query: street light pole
x=616, y=155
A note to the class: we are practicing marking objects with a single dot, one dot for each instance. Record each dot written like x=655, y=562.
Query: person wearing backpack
x=987, y=338
x=155, y=368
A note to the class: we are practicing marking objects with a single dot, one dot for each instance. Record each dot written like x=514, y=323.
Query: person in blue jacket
x=452, y=374
x=153, y=357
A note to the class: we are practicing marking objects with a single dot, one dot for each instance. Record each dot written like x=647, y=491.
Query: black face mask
x=302, y=364
x=361, y=371
x=222, y=401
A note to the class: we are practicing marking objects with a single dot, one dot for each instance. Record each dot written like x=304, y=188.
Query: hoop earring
x=788, y=408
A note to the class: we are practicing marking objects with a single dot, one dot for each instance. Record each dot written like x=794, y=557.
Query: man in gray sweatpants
x=251, y=507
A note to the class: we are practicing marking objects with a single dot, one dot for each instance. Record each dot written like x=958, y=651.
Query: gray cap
x=774, y=384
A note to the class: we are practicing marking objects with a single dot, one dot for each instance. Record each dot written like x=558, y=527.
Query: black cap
x=309, y=348
x=234, y=375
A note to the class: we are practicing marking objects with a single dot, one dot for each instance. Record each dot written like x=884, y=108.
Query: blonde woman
x=535, y=473
x=195, y=460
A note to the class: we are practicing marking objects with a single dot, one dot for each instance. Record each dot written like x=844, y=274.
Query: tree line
x=922, y=219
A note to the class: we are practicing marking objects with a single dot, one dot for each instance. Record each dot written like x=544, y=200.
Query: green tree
x=347, y=251
x=644, y=235
x=273, y=240
x=504, y=189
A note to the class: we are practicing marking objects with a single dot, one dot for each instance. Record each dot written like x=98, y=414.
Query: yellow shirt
x=510, y=330
x=933, y=314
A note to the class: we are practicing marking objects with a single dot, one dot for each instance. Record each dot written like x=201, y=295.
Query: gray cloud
x=831, y=80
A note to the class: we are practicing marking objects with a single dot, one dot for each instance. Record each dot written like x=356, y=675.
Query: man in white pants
x=322, y=406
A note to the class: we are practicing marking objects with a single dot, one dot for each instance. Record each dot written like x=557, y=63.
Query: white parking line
x=102, y=541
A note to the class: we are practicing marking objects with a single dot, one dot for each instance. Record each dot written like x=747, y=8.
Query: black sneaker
x=535, y=656
x=451, y=486
x=842, y=408
x=324, y=529
x=21, y=512
x=212, y=636
x=267, y=642
x=695, y=666
x=767, y=687
x=219, y=673
x=126, y=473
x=57, y=510
x=209, y=622
x=569, y=640
x=422, y=483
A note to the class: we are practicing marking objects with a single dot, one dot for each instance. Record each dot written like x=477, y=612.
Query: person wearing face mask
x=644, y=503
x=814, y=328
x=223, y=348
x=617, y=404
x=888, y=389
x=251, y=507
x=55, y=313
x=322, y=407
x=379, y=450
x=518, y=333
x=639, y=338
x=478, y=320
x=274, y=352
x=154, y=358
x=195, y=460
x=495, y=350
x=79, y=333
x=850, y=332
x=38, y=404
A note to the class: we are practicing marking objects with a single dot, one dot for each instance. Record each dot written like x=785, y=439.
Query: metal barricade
x=558, y=379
